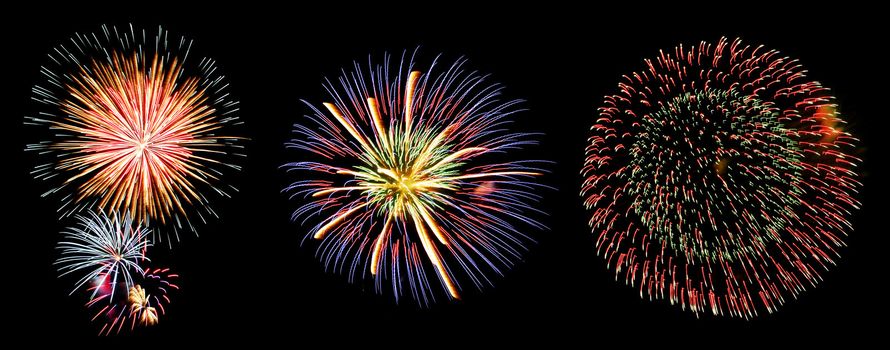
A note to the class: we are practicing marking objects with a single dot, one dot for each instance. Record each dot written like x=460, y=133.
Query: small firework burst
x=721, y=179
x=105, y=250
x=135, y=126
x=142, y=305
x=406, y=176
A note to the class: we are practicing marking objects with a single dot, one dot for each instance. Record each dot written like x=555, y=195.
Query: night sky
x=247, y=275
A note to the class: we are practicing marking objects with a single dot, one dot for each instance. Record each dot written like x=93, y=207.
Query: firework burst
x=406, y=179
x=140, y=305
x=104, y=249
x=136, y=126
x=721, y=179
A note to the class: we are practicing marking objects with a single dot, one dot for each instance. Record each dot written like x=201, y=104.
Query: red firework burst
x=721, y=179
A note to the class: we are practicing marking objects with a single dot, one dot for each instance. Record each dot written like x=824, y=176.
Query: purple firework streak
x=405, y=178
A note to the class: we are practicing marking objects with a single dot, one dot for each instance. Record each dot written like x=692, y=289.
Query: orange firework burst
x=135, y=129
x=141, y=308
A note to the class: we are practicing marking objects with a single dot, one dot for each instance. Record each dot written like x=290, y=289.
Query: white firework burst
x=103, y=248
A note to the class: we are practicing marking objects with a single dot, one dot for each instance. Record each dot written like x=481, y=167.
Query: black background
x=247, y=277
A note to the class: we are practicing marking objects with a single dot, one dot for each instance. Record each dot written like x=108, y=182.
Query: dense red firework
x=720, y=178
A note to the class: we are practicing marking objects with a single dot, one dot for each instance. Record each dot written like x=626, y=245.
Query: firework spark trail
x=721, y=179
x=404, y=158
x=136, y=126
x=140, y=305
x=104, y=249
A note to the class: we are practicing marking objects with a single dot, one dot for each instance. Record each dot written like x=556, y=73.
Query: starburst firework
x=721, y=179
x=408, y=157
x=135, y=126
x=103, y=249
